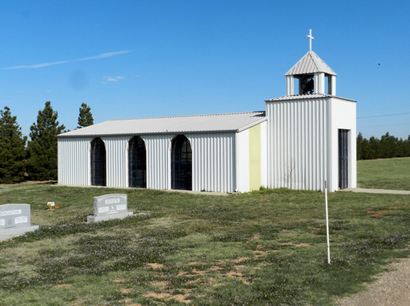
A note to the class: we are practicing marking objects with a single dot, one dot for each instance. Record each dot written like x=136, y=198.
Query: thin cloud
x=112, y=79
x=100, y=56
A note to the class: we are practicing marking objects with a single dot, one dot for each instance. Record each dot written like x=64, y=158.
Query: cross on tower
x=311, y=38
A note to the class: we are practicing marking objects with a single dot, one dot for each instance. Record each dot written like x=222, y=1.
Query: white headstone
x=110, y=206
x=15, y=220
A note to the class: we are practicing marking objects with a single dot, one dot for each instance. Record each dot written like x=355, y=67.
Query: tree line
x=34, y=158
x=386, y=146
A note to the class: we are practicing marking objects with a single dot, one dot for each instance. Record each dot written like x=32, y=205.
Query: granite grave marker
x=15, y=220
x=110, y=206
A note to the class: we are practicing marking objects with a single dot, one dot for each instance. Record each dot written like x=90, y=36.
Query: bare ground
x=389, y=288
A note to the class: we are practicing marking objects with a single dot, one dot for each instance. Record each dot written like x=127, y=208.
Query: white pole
x=327, y=225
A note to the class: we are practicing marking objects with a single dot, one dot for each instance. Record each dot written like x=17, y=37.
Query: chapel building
x=300, y=141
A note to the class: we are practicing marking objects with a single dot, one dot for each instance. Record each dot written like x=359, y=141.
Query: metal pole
x=327, y=225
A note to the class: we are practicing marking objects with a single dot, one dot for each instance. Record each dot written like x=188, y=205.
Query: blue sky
x=132, y=59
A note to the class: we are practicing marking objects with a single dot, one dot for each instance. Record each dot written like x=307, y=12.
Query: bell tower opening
x=306, y=84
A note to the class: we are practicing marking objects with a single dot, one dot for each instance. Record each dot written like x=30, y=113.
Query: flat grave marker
x=109, y=207
x=15, y=220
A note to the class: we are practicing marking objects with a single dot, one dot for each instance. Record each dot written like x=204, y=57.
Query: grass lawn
x=390, y=173
x=265, y=247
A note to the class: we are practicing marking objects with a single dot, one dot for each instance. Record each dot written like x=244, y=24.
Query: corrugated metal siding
x=117, y=161
x=297, y=144
x=158, y=161
x=213, y=161
x=73, y=161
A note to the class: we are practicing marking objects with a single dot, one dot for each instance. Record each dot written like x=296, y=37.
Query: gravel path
x=389, y=288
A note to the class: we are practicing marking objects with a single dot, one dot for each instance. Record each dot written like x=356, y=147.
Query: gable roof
x=233, y=122
x=310, y=63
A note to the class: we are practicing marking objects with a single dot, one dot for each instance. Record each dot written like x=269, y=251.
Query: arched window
x=181, y=163
x=137, y=163
x=98, y=163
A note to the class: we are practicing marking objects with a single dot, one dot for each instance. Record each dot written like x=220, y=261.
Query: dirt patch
x=126, y=291
x=182, y=273
x=215, y=268
x=198, y=272
x=160, y=284
x=377, y=214
x=181, y=298
x=259, y=253
x=154, y=266
x=119, y=281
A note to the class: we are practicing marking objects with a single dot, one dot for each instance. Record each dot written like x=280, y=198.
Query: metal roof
x=164, y=125
x=304, y=97
x=310, y=63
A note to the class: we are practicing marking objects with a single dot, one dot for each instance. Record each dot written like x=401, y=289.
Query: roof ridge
x=184, y=116
x=311, y=54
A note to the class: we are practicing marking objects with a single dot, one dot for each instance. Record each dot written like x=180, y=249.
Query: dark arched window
x=98, y=163
x=137, y=163
x=181, y=163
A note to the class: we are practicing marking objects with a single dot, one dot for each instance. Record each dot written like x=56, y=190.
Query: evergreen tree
x=386, y=147
x=42, y=147
x=85, y=117
x=359, y=147
x=12, y=148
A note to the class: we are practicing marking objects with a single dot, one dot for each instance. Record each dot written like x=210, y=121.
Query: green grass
x=391, y=173
x=260, y=248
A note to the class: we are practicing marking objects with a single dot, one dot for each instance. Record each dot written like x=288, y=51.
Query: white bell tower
x=312, y=75
x=311, y=131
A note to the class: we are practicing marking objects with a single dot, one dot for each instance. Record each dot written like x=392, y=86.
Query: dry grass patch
x=129, y=302
x=260, y=253
x=198, y=272
x=163, y=296
x=154, y=266
x=119, y=281
x=160, y=284
x=126, y=291
x=377, y=214
x=240, y=260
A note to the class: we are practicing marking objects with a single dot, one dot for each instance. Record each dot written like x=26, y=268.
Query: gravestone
x=15, y=220
x=109, y=207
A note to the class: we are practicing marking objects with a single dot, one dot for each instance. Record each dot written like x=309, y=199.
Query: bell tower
x=310, y=75
x=311, y=132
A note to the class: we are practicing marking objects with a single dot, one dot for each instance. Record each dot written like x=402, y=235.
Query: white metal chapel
x=302, y=139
